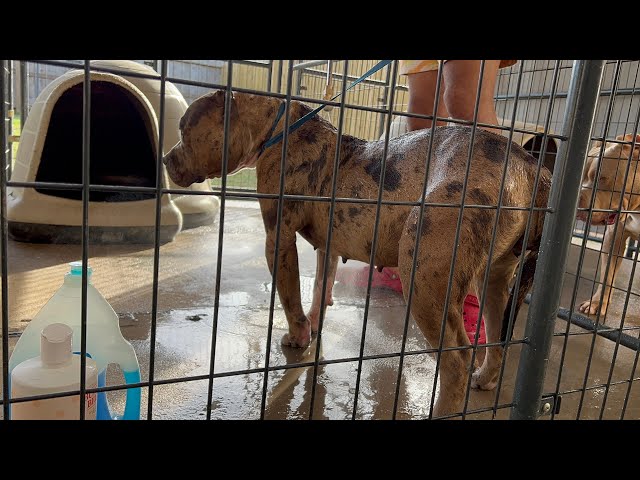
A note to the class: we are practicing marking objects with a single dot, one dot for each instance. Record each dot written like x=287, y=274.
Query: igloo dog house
x=123, y=146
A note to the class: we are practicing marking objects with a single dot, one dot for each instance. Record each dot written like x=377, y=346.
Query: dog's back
x=360, y=173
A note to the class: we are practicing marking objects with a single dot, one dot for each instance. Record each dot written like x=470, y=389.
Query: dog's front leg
x=288, y=285
x=591, y=306
x=314, y=312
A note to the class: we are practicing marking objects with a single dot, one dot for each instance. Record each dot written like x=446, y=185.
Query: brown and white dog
x=309, y=171
x=609, y=188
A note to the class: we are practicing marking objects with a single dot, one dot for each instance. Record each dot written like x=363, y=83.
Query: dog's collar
x=271, y=139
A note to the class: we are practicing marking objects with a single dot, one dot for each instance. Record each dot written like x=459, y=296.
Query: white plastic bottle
x=105, y=343
x=56, y=370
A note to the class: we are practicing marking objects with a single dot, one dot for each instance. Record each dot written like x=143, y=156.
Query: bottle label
x=60, y=408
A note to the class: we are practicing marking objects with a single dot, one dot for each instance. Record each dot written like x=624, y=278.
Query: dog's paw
x=591, y=307
x=314, y=315
x=314, y=319
x=480, y=381
x=296, y=341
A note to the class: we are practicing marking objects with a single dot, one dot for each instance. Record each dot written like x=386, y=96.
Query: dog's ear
x=218, y=100
x=629, y=138
x=626, y=149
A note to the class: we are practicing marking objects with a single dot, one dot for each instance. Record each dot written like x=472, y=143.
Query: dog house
x=123, y=149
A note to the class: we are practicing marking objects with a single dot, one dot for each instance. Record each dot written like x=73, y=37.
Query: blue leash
x=298, y=123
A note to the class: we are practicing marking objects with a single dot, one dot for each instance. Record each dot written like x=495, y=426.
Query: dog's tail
x=526, y=282
x=526, y=279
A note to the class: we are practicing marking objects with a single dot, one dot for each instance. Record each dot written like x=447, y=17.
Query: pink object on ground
x=388, y=279
x=360, y=278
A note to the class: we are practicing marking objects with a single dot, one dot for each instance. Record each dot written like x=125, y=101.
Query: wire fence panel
x=252, y=315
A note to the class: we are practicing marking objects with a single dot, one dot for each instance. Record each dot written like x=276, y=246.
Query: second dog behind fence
x=309, y=171
x=615, y=179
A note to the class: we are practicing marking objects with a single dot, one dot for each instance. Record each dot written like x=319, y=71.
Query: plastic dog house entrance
x=121, y=145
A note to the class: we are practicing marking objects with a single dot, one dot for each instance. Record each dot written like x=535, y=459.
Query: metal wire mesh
x=531, y=104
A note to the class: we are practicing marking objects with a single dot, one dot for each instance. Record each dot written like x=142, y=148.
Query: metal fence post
x=24, y=95
x=3, y=242
x=558, y=226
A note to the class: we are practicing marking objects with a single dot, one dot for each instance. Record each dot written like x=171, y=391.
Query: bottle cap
x=55, y=344
x=76, y=269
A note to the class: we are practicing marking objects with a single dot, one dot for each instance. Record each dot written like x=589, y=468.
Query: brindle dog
x=309, y=171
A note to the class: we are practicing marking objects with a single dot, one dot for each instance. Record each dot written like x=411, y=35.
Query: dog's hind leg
x=497, y=296
x=314, y=311
x=430, y=289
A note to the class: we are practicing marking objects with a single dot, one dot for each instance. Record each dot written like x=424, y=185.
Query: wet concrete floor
x=124, y=275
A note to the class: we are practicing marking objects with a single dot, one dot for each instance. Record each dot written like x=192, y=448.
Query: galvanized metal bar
x=545, y=96
x=519, y=94
x=584, y=322
x=598, y=386
x=311, y=63
x=10, y=96
x=279, y=80
x=573, y=298
x=24, y=94
x=583, y=246
x=632, y=247
x=368, y=81
x=556, y=238
x=269, y=75
x=156, y=240
x=299, y=80
x=635, y=262
x=456, y=241
x=4, y=239
x=385, y=97
x=485, y=282
x=527, y=229
x=327, y=256
x=216, y=303
x=252, y=63
x=86, y=179
x=243, y=194
x=416, y=248
x=276, y=253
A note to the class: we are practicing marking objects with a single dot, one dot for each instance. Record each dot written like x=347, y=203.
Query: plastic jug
x=56, y=370
x=105, y=343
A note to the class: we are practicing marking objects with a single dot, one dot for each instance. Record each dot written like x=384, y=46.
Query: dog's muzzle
x=173, y=162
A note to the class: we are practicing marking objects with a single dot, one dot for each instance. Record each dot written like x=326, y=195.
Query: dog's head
x=199, y=153
x=611, y=180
